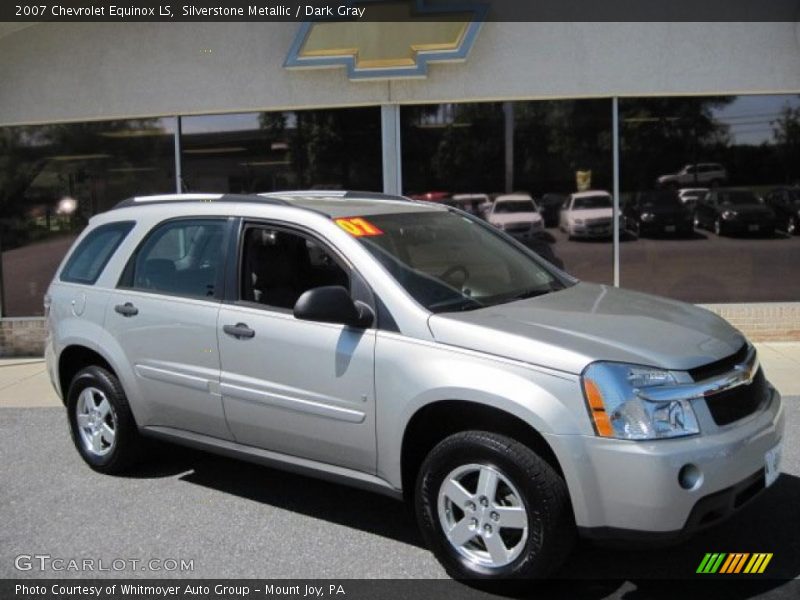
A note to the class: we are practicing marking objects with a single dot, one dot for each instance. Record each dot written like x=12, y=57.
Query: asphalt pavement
x=703, y=268
x=238, y=520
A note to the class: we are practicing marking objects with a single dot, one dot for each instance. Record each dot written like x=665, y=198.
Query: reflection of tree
x=787, y=137
x=339, y=148
x=554, y=139
x=97, y=163
x=457, y=148
x=460, y=148
x=660, y=135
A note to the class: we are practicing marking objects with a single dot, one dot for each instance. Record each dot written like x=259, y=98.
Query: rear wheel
x=491, y=508
x=102, y=425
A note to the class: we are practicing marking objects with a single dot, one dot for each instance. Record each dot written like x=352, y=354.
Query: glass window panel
x=53, y=178
x=722, y=163
x=456, y=154
x=263, y=152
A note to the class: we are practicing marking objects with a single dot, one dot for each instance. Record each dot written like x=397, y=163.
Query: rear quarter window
x=93, y=253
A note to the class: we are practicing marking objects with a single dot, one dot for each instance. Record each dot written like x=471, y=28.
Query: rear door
x=164, y=316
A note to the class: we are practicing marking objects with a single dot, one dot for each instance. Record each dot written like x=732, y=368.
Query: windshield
x=738, y=198
x=448, y=262
x=514, y=206
x=585, y=202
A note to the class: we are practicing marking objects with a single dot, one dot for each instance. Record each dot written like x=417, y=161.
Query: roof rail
x=340, y=194
x=280, y=198
x=215, y=198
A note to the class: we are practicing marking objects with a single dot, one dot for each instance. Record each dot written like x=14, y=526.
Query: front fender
x=411, y=374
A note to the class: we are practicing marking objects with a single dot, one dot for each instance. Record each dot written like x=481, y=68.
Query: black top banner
x=394, y=10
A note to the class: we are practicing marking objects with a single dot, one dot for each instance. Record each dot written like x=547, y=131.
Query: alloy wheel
x=96, y=420
x=482, y=515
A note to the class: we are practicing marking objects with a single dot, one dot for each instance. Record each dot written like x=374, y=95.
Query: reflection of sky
x=227, y=122
x=750, y=117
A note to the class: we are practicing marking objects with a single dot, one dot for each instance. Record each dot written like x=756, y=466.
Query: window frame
x=360, y=289
x=127, y=276
x=126, y=226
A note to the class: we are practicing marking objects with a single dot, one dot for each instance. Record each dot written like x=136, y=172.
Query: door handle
x=239, y=331
x=127, y=309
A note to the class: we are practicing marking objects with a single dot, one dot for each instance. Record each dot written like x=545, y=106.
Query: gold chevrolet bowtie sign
x=402, y=44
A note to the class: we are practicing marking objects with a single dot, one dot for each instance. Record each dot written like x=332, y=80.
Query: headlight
x=618, y=411
x=728, y=214
x=647, y=217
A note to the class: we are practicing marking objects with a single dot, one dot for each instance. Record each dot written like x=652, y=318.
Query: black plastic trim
x=707, y=512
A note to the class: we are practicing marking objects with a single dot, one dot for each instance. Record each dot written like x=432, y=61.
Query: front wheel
x=102, y=425
x=491, y=508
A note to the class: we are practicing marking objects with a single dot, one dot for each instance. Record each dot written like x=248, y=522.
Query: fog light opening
x=690, y=477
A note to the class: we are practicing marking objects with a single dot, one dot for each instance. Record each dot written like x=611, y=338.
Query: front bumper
x=630, y=490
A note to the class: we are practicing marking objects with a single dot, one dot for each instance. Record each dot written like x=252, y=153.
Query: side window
x=182, y=258
x=95, y=250
x=278, y=266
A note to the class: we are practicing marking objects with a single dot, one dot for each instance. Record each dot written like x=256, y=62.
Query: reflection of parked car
x=785, y=202
x=430, y=196
x=516, y=214
x=587, y=214
x=550, y=205
x=734, y=211
x=410, y=350
x=712, y=174
x=658, y=212
x=690, y=196
x=474, y=204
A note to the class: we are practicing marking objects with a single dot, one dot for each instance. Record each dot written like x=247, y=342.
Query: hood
x=518, y=217
x=590, y=213
x=568, y=329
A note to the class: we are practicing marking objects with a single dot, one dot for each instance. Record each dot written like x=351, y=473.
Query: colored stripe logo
x=735, y=562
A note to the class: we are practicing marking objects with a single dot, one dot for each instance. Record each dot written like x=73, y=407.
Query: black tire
x=128, y=446
x=551, y=529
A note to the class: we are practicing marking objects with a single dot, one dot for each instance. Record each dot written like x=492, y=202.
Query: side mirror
x=333, y=304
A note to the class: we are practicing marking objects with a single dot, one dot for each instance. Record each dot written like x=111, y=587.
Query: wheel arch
x=435, y=421
x=75, y=357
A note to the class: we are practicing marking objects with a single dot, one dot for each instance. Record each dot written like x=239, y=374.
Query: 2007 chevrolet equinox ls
x=411, y=349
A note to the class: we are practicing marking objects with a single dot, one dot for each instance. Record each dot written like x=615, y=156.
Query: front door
x=297, y=387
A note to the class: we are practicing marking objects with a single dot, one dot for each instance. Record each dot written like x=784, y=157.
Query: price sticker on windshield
x=358, y=227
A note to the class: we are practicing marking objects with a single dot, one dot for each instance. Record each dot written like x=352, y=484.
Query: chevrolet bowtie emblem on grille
x=401, y=45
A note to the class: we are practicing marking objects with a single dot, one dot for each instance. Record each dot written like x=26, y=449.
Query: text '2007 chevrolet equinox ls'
x=411, y=349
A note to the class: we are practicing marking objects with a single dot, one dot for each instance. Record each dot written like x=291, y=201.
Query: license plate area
x=772, y=465
x=752, y=228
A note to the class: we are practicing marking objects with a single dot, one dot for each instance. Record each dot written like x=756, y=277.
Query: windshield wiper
x=530, y=293
x=460, y=304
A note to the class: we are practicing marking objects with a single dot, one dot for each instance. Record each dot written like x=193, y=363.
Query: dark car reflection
x=785, y=202
x=550, y=206
x=658, y=212
x=727, y=212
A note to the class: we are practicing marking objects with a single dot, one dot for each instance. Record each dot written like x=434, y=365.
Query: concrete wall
x=81, y=71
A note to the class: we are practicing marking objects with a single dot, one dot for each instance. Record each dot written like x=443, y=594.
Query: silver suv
x=711, y=174
x=414, y=350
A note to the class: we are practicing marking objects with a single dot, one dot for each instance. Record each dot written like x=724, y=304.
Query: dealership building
x=92, y=113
